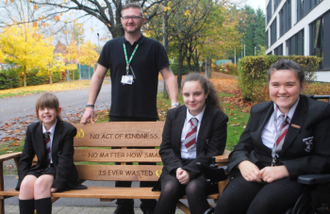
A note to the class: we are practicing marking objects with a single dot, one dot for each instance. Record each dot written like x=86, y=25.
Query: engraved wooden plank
x=119, y=172
x=119, y=134
x=117, y=155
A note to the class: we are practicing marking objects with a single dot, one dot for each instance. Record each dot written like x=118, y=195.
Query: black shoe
x=124, y=206
x=148, y=212
x=123, y=211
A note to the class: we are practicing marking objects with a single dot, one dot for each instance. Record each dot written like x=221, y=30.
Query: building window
x=305, y=6
x=317, y=38
x=300, y=44
x=300, y=9
x=276, y=3
x=273, y=32
x=278, y=50
x=285, y=18
x=269, y=11
x=267, y=40
x=295, y=45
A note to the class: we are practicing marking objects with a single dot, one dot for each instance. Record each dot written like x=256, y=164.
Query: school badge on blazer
x=308, y=143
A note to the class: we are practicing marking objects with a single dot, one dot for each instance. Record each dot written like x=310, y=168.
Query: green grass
x=236, y=123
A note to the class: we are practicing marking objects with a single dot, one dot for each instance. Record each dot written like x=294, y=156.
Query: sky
x=255, y=4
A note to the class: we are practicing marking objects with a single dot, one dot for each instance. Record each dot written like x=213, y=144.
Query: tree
x=252, y=26
x=260, y=34
x=107, y=11
x=72, y=56
x=187, y=19
x=25, y=47
x=88, y=55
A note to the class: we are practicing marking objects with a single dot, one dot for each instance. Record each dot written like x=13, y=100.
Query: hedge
x=253, y=73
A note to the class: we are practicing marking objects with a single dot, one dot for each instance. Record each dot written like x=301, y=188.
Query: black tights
x=171, y=191
x=241, y=196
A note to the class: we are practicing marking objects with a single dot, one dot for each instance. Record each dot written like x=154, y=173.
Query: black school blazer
x=306, y=148
x=62, y=154
x=211, y=139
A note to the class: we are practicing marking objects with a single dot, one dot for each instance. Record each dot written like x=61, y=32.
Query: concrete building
x=299, y=27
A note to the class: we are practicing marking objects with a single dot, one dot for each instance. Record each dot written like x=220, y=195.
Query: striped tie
x=190, y=140
x=47, y=142
x=283, y=130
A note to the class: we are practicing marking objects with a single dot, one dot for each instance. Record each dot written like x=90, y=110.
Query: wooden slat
x=222, y=160
x=8, y=156
x=106, y=193
x=119, y=134
x=117, y=155
x=119, y=172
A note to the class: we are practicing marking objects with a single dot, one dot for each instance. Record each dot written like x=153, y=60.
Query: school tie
x=283, y=130
x=190, y=140
x=47, y=143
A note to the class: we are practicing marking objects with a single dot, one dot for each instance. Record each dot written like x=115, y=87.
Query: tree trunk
x=165, y=43
x=189, y=63
x=25, y=72
x=50, y=78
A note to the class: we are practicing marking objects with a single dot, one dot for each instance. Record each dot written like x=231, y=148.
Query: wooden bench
x=93, y=154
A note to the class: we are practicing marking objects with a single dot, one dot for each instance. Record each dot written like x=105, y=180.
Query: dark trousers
x=146, y=204
x=241, y=196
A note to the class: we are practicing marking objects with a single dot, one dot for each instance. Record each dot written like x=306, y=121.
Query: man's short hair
x=132, y=5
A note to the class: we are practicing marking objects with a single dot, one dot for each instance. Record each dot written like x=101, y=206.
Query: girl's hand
x=249, y=171
x=182, y=175
x=53, y=190
x=272, y=173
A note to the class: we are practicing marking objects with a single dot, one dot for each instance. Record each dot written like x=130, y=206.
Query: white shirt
x=191, y=154
x=52, y=131
x=268, y=133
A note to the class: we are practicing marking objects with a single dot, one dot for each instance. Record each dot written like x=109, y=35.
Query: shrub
x=175, y=68
x=9, y=79
x=253, y=72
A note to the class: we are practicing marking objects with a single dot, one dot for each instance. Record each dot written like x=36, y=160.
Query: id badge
x=127, y=79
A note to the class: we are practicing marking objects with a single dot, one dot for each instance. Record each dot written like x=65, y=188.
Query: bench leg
x=2, y=205
x=183, y=207
x=2, y=186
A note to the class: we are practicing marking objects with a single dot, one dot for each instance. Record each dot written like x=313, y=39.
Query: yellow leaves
x=24, y=46
x=167, y=8
x=92, y=29
x=187, y=13
x=56, y=18
x=88, y=54
x=35, y=7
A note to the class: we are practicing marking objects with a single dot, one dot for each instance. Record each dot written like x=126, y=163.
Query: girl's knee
x=42, y=187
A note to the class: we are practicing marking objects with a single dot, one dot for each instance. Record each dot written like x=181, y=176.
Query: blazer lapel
x=178, y=123
x=203, y=130
x=298, y=119
x=264, y=118
x=56, y=139
x=39, y=144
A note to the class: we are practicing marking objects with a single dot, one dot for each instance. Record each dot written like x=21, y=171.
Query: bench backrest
x=320, y=97
x=95, y=155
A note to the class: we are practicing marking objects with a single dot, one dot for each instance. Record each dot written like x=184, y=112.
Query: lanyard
x=274, y=154
x=128, y=62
